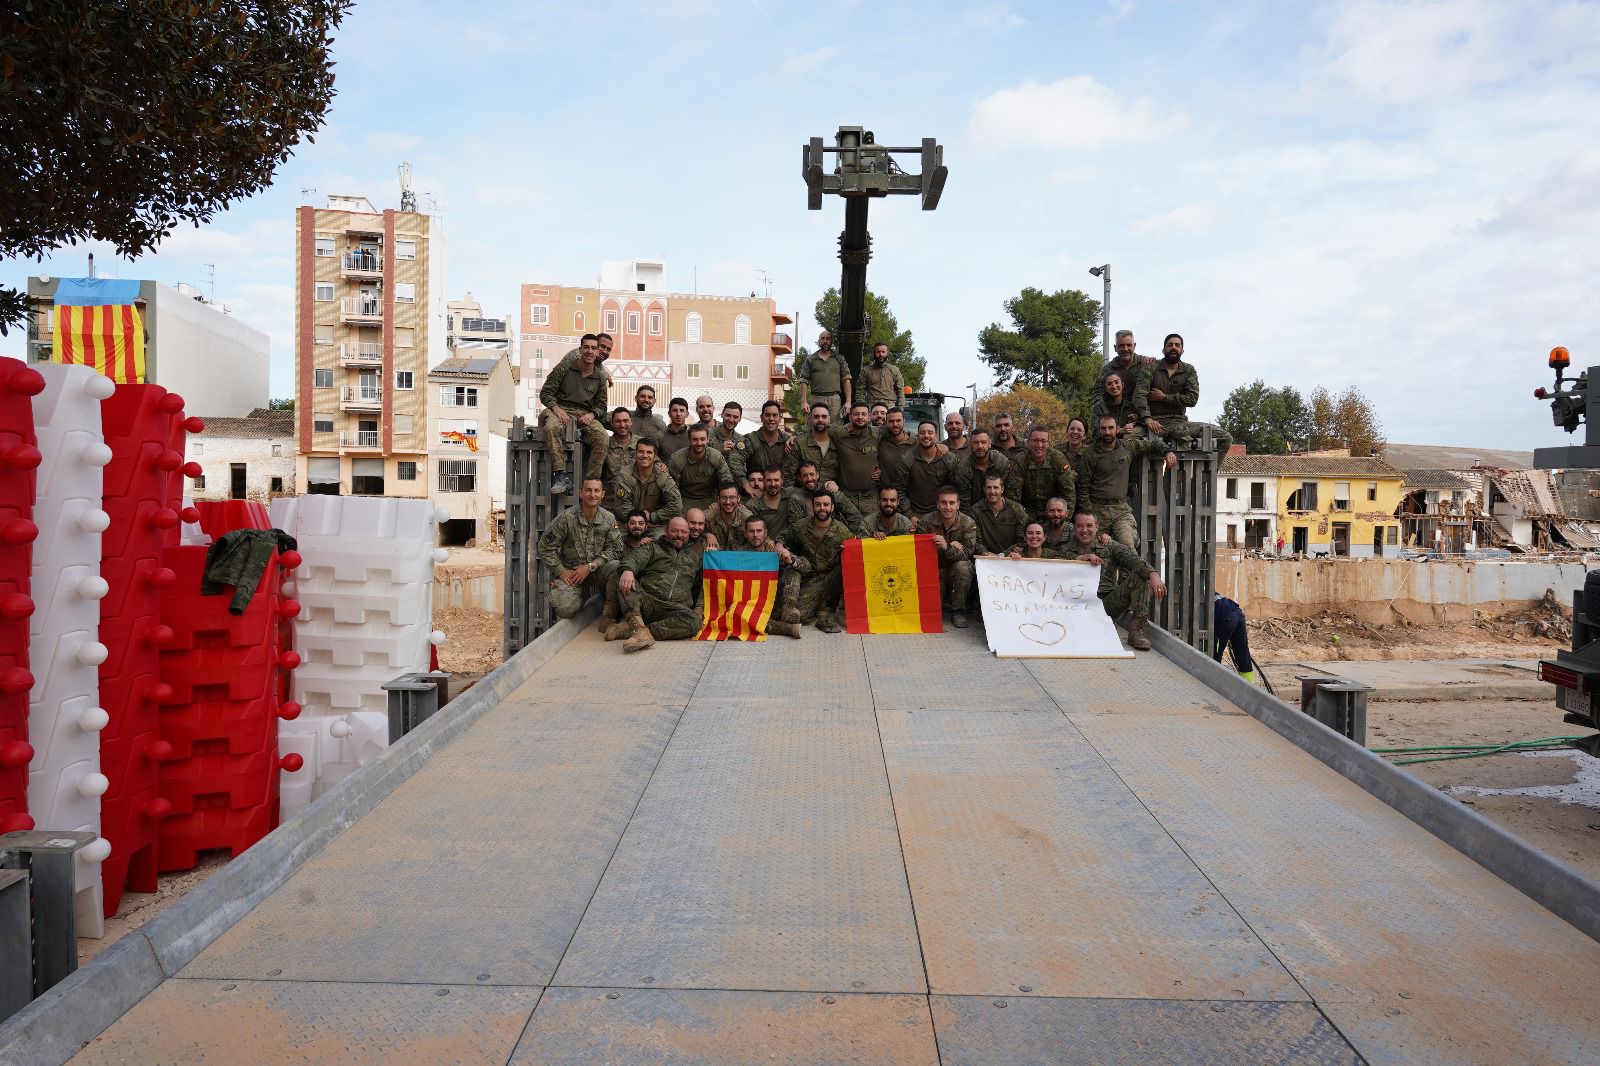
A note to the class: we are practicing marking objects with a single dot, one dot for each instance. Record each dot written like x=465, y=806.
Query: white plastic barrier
x=365, y=590
x=64, y=714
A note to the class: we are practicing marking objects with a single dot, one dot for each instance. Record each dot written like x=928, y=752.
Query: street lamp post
x=1103, y=271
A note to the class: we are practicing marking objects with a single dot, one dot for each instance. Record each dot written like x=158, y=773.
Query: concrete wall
x=1370, y=589
x=217, y=363
x=481, y=587
x=263, y=459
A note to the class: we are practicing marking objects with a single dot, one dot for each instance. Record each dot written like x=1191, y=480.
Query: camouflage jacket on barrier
x=572, y=539
x=665, y=573
x=239, y=559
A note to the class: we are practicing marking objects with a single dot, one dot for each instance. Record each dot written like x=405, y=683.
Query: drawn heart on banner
x=1047, y=633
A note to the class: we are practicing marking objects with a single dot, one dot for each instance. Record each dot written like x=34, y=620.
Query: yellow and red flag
x=98, y=326
x=892, y=586
x=739, y=591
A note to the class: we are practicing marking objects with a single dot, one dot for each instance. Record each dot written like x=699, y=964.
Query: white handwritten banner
x=1045, y=609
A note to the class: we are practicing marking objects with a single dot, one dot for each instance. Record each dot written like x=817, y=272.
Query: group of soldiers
x=657, y=494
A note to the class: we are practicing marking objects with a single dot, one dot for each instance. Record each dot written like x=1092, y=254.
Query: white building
x=1247, y=511
x=250, y=458
x=470, y=403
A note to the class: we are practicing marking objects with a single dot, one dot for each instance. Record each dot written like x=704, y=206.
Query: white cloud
x=997, y=17
x=1190, y=220
x=1076, y=114
x=812, y=61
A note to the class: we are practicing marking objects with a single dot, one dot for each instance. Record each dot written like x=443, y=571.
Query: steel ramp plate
x=1416, y=953
x=1032, y=866
x=1147, y=685
x=479, y=864
x=1053, y=1032
x=587, y=1025
x=763, y=856
x=949, y=671
x=821, y=670
x=234, y=1022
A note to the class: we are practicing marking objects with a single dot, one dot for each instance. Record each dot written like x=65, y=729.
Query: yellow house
x=1326, y=503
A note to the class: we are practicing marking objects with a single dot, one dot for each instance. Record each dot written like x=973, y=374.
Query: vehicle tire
x=1591, y=597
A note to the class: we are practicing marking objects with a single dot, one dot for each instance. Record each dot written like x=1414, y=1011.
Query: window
x=578, y=299
x=325, y=246
x=198, y=482
x=404, y=470
x=322, y=379
x=633, y=322
x=366, y=477
x=405, y=379
x=1393, y=535
x=322, y=475
x=691, y=327
x=610, y=319
x=458, y=475
x=1233, y=535
x=1258, y=495
x=742, y=372
x=741, y=330
x=692, y=370
x=404, y=425
x=197, y=448
x=655, y=323
x=1304, y=498
x=405, y=249
x=1232, y=493
x=324, y=291
x=578, y=322
x=405, y=337
x=277, y=451
x=1372, y=490
x=324, y=334
x=716, y=371
x=275, y=484
x=405, y=292
x=1341, y=495
x=538, y=314
x=322, y=425
x=458, y=396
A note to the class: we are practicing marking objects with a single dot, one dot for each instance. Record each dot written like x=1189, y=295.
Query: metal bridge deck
x=886, y=849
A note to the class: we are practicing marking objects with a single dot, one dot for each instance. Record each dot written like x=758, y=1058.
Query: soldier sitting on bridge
x=656, y=590
x=580, y=549
x=699, y=470
x=1126, y=581
x=785, y=618
x=646, y=486
x=818, y=546
x=725, y=523
x=575, y=391
x=1173, y=387
x=889, y=520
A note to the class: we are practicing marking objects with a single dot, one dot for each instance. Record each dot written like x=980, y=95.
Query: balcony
x=363, y=353
x=361, y=310
x=361, y=438
x=361, y=397
x=359, y=222
x=782, y=342
x=361, y=264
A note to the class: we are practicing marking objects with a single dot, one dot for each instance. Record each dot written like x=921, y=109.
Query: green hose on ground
x=1474, y=751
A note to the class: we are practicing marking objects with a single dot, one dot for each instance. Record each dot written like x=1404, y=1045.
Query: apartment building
x=468, y=330
x=470, y=403
x=369, y=324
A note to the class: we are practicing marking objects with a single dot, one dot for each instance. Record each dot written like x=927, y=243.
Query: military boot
x=642, y=638
x=626, y=628
x=791, y=614
x=784, y=629
x=608, y=617
x=828, y=622
x=1138, y=638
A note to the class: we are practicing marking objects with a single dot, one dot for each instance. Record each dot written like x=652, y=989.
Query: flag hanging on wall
x=892, y=586
x=98, y=326
x=739, y=590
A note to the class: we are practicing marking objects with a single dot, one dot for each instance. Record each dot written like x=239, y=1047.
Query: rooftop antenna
x=766, y=281
x=306, y=191
x=211, y=272
x=91, y=264
x=408, y=199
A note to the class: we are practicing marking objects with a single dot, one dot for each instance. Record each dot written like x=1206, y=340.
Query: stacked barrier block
x=365, y=587
x=65, y=717
x=145, y=428
x=217, y=517
x=219, y=723
x=19, y=459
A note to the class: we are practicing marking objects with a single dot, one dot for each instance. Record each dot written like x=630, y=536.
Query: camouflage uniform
x=858, y=458
x=1123, y=577
x=955, y=563
x=1033, y=484
x=1135, y=375
x=1104, y=488
x=797, y=511
x=670, y=442
x=827, y=461
x=572, y=540
x=826, y=378
x=774, y=517
x=648, y=426
x=619, y=457
x=900, y=527
x=656, y=495
x=920, y=483
x=894, y=456
x=728, y=531
x=969, y=479
x=668, y=580
x=716, y=438
x=881, y=384
x=699, y=481
x=999, y=533
x=1181, y=384
x=1056, y=539
x=1016, y=448
x=753, y=453
x=817, y=561
x=568, y=389
x=1124, y=413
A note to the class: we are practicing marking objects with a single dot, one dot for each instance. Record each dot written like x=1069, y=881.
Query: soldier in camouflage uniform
x=770, y=505
x=1171, y=389
x=955, y=535
x=675, y=438
x=895, y=448
x=646, y=423
x=725, y=523
x=619, y=452
x=818, y=545
x=1104, y=488
x=636, y=533
x=647, y=486
x=980, y=460
x=797, y=507
x=575, y=391
x=1033, y=546
x=1132, y=368
x=1057, y=523
x=657, y=587
x=857, y=448
x=1111, y=400
x=1040, y=473
x=955, y=434
x=881, y=381
x=888, y=520
x=771, y=445
x=818, y=446
x=1075, y=449
x=1126, y=581
x=825, y=378
x=725, y=434
x=580, y=549
x=880, y=416
x=698, y=542
x=930, y=469
x=699, y=471
x=785, y=618
x=1004, y=440
x=1000, y=521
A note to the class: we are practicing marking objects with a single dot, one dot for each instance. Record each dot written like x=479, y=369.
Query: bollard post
x=48, y=856
x=16, y=944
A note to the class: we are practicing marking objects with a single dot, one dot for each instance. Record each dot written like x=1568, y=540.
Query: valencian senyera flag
x=98, y=326
x=739, y=590
x=892, y=586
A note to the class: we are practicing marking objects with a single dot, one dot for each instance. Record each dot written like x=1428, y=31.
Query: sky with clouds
x=1404, y=197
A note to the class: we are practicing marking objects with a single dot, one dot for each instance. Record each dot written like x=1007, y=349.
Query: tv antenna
x=306, y=191
x=766, y=282
x=211, y=273
x=408, y=199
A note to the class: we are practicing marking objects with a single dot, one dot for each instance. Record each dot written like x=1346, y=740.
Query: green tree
x=1053, y=344
x=282, y=403
x=882, y=328
x=1266, y=420
x=122, y=120
x=1347, y=420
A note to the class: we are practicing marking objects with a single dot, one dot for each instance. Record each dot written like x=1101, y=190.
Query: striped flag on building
x=892, y=586
x=739, y=590
x=98, y=326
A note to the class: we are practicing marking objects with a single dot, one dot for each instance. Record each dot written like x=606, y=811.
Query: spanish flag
x=740, y=589
x=98, y=326
x=892, y=586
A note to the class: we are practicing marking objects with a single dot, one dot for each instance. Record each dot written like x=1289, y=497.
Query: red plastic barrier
x=19, y=458
x=224, y=516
